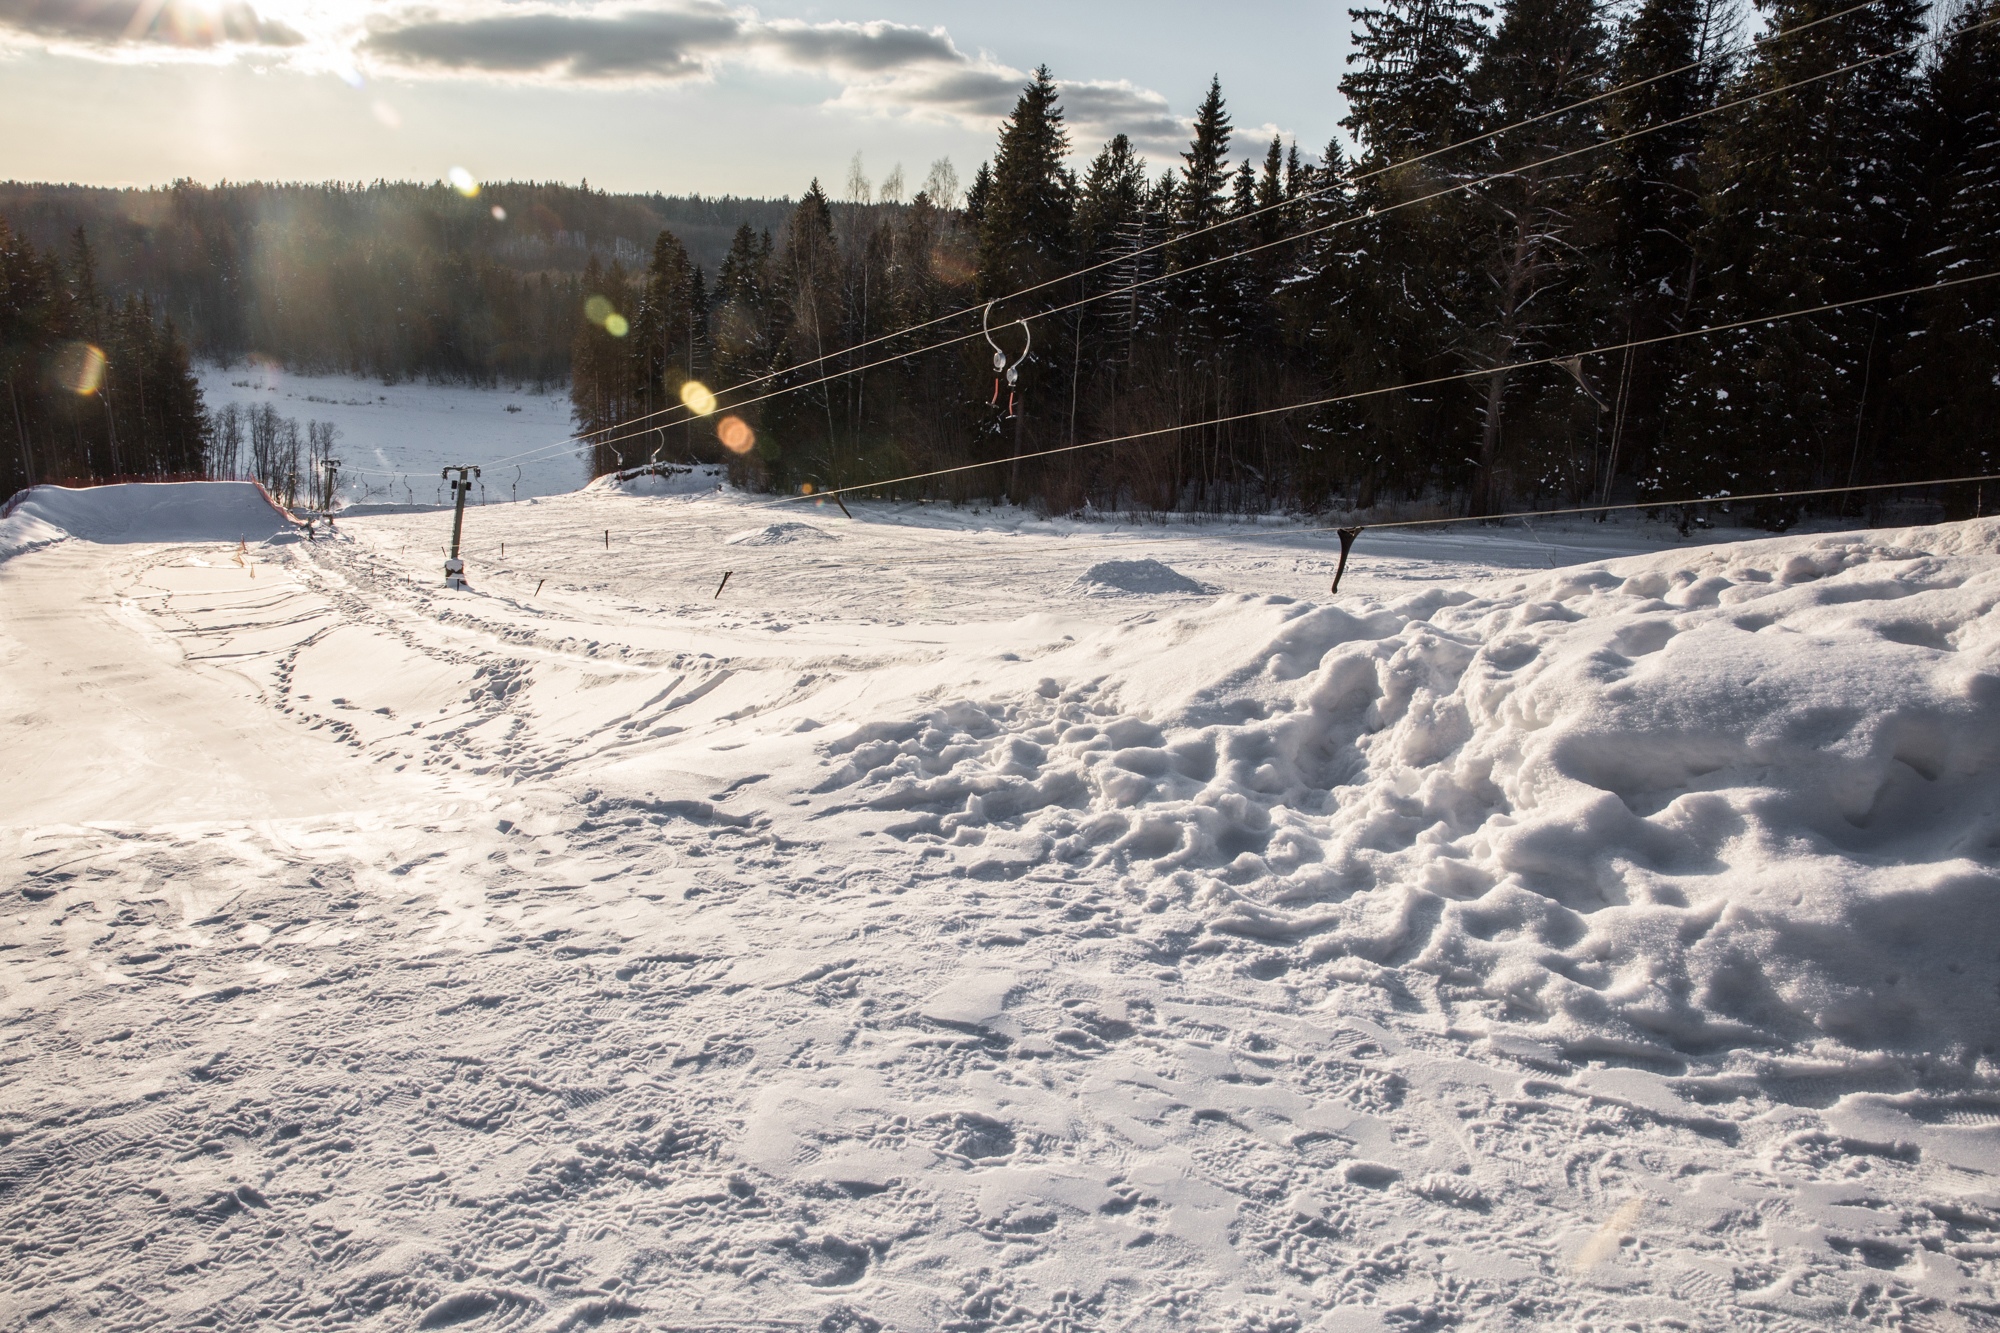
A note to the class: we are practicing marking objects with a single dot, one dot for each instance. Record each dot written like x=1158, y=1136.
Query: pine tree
x=1949, y=388
x=1651, y=193
x=976, y=195
x=668, y=336
x=1386, y=282
x=1026, y=211
x=1209, y=301
x=743, y=309
x=1529, y=229
x=1812, y=195
x=1410, y=90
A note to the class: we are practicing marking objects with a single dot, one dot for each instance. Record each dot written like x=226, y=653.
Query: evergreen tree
x=1529, y=233
x=1209, y=301
x=1650, y=191
x=1410, y=90
x=1812, y=200
x=743, y=309
x=1948, y=386
x=1026, y=210
x=669, y=337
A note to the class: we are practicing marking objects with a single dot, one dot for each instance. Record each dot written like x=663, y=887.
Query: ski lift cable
x=1453, y=378
x=586, y=437
x=1245, y=253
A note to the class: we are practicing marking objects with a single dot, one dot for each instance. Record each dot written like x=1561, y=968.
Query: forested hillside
x=1712, y=180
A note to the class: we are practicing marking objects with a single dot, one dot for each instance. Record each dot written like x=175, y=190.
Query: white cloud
x=877, y=68
x=881, y=67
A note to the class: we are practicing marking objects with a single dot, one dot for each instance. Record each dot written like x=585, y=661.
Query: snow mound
x=667, y=479
x=779, y=534
x=1111, y=578
x=21, y=533
x=1747, y=796
x=180, y=511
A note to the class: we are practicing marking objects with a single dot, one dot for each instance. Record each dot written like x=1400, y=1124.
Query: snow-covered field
x=959, y=922
x=394, y=438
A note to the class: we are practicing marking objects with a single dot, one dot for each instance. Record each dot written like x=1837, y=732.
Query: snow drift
x=678, y=479
x=182, y=511
x=1742, y=796
x=1110, y=578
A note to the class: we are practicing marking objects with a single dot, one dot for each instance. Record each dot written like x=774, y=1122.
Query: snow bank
x=182, y=511
x=667, y=479
x=779, y=534
x=1111, y=578
x=24, y=532
x=1742, y=796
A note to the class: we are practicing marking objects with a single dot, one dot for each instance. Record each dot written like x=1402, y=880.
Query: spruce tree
x=1948, y=390
x=1209, y=302
x=1650, y=191
x=1812, y=194
x=665, y=331
x=1529, y=232
x=743, y=312
x=1409, y=91
x=1026, y=210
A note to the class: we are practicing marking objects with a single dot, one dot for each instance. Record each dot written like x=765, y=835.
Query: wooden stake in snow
x=538, y=586
x=1347, y=536
x=607, y=539
x=724, y=584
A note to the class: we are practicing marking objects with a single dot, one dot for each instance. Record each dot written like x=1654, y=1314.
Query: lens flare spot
x=499, y=213
x=616, y=325
x=805, y=488
x=736, y=435
x=461, y=180
x=698, y=398
x=80, y=368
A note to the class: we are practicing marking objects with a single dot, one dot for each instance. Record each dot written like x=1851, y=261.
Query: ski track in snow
x=911, y=939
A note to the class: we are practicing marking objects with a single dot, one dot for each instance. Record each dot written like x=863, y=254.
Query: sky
x=676, y=96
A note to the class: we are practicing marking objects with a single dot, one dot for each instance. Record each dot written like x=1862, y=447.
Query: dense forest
x=1713, y=181
x=93, y=387
x=400, y=281
x=1524, y=184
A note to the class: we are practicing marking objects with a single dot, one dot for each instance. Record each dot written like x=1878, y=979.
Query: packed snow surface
x=1558, y=929
x=1111, y=577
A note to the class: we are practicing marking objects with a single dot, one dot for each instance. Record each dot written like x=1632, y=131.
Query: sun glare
x=461, y=180
x=598, y=311
x=698, y=398
x=80, y=368
x=736, y=435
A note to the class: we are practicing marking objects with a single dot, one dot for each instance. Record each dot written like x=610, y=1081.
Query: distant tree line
x=1573, y=232
x=396, y=280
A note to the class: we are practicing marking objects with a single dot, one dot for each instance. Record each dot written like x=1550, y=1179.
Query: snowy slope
x=394, y=438
x=912, y=935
